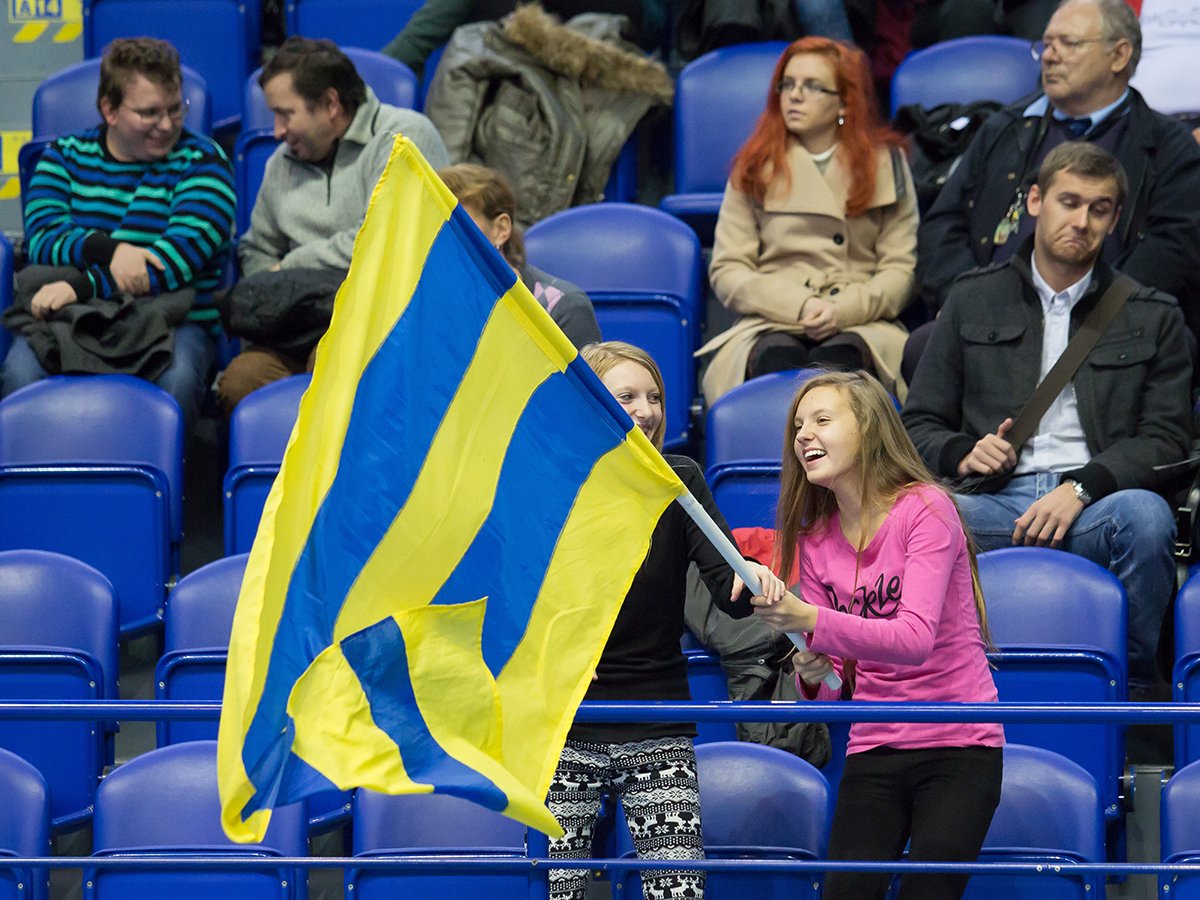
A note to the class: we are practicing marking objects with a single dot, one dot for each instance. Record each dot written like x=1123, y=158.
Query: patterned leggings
x=656, y=782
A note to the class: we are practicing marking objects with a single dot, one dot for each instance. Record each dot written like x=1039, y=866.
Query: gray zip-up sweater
x=307, y=216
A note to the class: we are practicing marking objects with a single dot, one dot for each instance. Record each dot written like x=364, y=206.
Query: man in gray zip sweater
x=336, y=138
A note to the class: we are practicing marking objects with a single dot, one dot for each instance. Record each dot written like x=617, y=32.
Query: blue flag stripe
x=539, y=463
x=460, y=283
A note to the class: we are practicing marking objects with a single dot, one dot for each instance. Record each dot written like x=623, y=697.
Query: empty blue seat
x=718, y=98
x=744, y=446
x=258, y=434
x=1185, y=679
x=1179, y=832
x=983, y=67
x=1059, y=623
x=391, y=80
x=92, y=466
x=59, y=642
x=24, y=827
x=1049, y=813
x=414, y=826
x=196, y=629
x=165, y=803
x=707, y=681
x=219, y=38
x=357, y=23
x=642, y=271
x=756, y=802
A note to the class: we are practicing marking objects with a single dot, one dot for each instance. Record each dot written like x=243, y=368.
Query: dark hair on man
x=157, y=61
x=1085, y=159
x=316, y=66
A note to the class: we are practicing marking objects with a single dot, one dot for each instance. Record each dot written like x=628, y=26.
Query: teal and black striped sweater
x=82, y=202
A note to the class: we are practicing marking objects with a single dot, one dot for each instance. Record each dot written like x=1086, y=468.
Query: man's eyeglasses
x=807, y=87
x=176, y=113
x=1063, y=46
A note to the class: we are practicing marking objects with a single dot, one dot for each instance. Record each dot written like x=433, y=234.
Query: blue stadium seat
x=165, y=803
x=1049, y=813
x=643, y=273
x=219, y=38
x=24, y=827
x=756, y=802
x=92, y=466
x=1179, y=833
x=707, y=681
x=356, y=23
x=6, y=291
x=391, y=80
x=1059, y=622
x=196, y=631
x=718, y=98
x=65, y=102
x=1185, y=678
x=258, y=434
x=414, y=826
x=744, y=443
x=59, y=642
x=984, y=67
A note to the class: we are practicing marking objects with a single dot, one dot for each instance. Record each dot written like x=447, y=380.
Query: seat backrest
x=25, y=813
x=51, y=600
x=1187, y=619
x=105, y=419
x=748, y=423
x=962, y=70
x=1186, y=670
x=754, y=795
x=631, y=248
x=424, y=821
x=66, y=101
x=262, y=423
x=392, y=81
x=357, y=23
x=1023, y=586
x=718, y=98
x=1179, y=824
x=1047, y=803
x=200, y=608
x=168, y=798
x=220, y=38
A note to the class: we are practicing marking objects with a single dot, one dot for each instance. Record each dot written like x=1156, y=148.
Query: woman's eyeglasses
x=808, y=87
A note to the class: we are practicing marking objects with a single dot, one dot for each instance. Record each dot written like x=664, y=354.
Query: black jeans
x=940, y=801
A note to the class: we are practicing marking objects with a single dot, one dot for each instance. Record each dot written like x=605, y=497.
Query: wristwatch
x=1080, y=491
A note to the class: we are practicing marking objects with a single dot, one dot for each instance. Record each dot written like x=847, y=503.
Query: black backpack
x=939, y=137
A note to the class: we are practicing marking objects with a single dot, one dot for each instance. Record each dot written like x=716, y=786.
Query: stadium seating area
x=92, y=511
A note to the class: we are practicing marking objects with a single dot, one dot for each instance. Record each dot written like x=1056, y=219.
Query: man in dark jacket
x=1089, y=52
x=1084, y=481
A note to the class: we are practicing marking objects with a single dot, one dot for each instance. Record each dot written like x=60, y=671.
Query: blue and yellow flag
x=460, y=512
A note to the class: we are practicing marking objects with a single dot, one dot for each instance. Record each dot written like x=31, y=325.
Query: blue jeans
x=1131, y=533
x=186, y=378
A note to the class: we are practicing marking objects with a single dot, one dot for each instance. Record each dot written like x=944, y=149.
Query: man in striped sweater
x=135, y=217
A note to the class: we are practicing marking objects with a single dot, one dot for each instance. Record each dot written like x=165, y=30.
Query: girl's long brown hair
x=763, y=157
x=888, y=465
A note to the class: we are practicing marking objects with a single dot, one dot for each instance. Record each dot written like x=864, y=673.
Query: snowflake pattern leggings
x=656, y=783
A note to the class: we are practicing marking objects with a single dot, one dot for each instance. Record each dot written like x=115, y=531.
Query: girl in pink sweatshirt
x=888, y=597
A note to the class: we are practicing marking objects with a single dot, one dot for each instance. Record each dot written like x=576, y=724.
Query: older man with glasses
x=125, y=224
x=1088, y=53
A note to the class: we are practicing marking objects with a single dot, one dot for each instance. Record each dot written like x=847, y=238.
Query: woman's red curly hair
x=764, y=155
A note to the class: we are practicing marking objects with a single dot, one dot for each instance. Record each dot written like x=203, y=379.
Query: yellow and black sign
x=10, y=145
x=62, y=19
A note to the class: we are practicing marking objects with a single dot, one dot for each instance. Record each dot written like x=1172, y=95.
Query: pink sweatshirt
x=908, y=618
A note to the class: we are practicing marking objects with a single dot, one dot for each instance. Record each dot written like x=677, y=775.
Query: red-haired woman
x=816, y=239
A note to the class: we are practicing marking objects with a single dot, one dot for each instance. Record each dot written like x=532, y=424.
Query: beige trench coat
x=767, y=260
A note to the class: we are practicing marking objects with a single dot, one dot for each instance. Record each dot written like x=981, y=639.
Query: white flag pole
x=738, y=563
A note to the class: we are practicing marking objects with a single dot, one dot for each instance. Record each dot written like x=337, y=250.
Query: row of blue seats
x=758, y=803
x=1041, y=656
